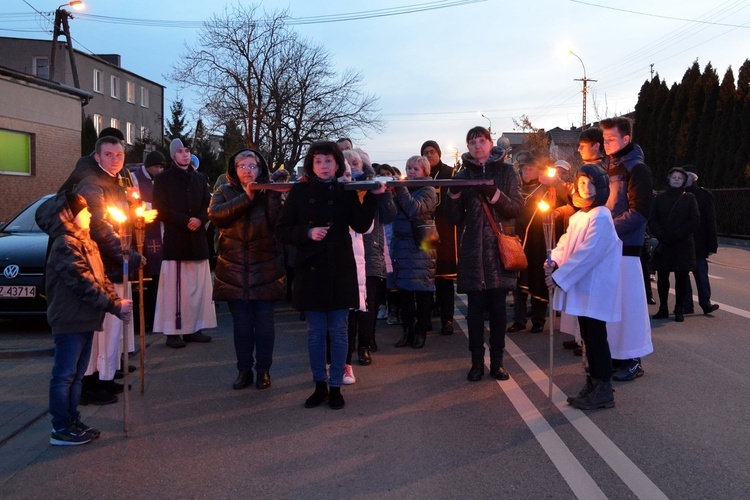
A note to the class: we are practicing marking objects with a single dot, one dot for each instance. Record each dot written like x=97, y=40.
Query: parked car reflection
x=23, y=247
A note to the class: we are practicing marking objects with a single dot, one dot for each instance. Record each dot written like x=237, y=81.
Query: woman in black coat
x=316, y=218
x=674, y=217
x=250, y=267
x=481, y=274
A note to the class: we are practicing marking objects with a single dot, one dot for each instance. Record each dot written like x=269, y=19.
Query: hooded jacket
x=630, y=195
x=673, y=220
x=413, y=267
x=479, y=264
x=250, y=264
x=78, y=291
x=589, y=257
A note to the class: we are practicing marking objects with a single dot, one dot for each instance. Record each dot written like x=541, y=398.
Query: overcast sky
x=434, y=70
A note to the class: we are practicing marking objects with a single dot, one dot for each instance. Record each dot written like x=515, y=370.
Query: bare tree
x=535, y=139
x=283, y=91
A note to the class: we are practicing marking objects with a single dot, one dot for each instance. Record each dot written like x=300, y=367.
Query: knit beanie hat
x=174, y=146
x=154, y=158
x=76, y=202
x=428, y=144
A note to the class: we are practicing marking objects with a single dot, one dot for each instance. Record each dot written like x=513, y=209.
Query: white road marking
x=722, y=306
x=569, y=467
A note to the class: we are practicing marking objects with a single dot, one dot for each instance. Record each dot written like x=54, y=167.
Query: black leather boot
x=601, y=396
x=407, y=338
x=364, y=356
x=244, y=379
x=335, y=399
x=662, y=313
x=476, y=372
x=585, y=390
x=419, y=340
x=319, y=396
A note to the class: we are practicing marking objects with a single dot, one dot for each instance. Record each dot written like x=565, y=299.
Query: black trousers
x=445, y=298
x=594, y=335
x=680, y=287
x=493, y=302
x=416, y=310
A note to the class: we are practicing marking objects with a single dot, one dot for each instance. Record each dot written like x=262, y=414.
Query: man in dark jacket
x=706, y=243
x=184, y=305
x=630, y=195
x=102, y=190
x=481, y=274
x=445, y=271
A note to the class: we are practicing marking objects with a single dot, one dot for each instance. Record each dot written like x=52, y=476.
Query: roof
x=564, y=137
x=84, y=95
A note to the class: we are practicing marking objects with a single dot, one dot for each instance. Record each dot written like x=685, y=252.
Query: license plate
x=17, y=292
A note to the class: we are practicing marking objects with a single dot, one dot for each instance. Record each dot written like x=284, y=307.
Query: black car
x=23, y=247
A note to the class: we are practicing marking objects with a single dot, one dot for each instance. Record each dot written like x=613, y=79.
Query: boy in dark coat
x=78, y=296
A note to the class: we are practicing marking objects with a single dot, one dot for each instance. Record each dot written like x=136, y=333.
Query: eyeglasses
x=251, y=166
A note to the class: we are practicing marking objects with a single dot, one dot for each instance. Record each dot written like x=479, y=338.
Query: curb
x=24, y=353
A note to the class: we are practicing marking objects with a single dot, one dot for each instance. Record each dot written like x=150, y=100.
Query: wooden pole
x=140, y=230
x=125, y=240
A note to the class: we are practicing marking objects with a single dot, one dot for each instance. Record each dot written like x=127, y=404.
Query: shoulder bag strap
x=487, y=212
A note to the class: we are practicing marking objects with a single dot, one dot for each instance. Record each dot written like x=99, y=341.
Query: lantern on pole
x=125, y=242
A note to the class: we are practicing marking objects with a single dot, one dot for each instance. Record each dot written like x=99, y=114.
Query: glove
x=488, y=191
x=456, y=189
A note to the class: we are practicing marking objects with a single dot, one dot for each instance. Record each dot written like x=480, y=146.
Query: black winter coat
x=178, y=196
x=479, y=265
x=706, y=241
x=250, y=263
x=325, y=273
x=413, y=267
x=674, y=217
x=446, y=249
x=78, y=291
x=101, y=190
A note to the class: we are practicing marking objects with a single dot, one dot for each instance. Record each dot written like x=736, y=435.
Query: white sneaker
x=349, y=378
x=383, y=312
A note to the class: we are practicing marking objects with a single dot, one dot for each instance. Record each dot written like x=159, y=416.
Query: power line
x=661, y=16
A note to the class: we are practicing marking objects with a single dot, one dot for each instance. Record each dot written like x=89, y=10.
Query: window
x=143, y=132
x=98, y=81
x=41, y=67
x=131, y=92
x=144, y=97
x=130, y=133
x=15, y=153
x=114, y=123
x=115, y=86
x=98, y=123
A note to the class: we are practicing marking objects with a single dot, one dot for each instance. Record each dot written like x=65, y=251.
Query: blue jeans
x=72, y=352
x=700, y=273
x=493, y=302
x=335, y=323
x=253, y=331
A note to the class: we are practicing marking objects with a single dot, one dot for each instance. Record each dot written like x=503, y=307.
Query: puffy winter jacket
x=413, y=267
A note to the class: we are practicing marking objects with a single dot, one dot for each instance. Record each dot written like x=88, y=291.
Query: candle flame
x=140, y=211
x=544, y=206
x=551, y=171
x=117, y=214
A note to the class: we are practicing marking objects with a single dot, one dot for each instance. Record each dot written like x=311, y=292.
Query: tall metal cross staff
x=549, y=239
x=140, y=234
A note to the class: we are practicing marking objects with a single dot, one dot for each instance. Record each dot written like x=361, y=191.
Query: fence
x=733, y=212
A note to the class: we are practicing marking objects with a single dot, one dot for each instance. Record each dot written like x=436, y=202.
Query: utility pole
x=585, y=81
x=62, y=27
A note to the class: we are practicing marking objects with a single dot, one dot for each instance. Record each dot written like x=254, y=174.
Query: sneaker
x=382, y=312
x=175, y=341
x=629, y=370
x=349, y=378
x=70, y=436
x=79, y=425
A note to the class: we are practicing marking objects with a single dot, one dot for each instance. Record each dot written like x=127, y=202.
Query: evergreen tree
x=704, y=124
x=680, y=123
x=176, y=125
x=232, y=141
x=209, y=159
x=723, y=139
x=662, y=163
x=88, y=136
x=739, y=175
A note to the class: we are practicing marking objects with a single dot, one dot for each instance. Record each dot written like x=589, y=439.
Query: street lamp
x=585, y=80
x=489, y=129
x=61, y=26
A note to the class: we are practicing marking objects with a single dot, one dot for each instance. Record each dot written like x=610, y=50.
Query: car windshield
x=24, y=222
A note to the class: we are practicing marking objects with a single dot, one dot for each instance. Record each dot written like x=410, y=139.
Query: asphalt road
x=413, y=427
